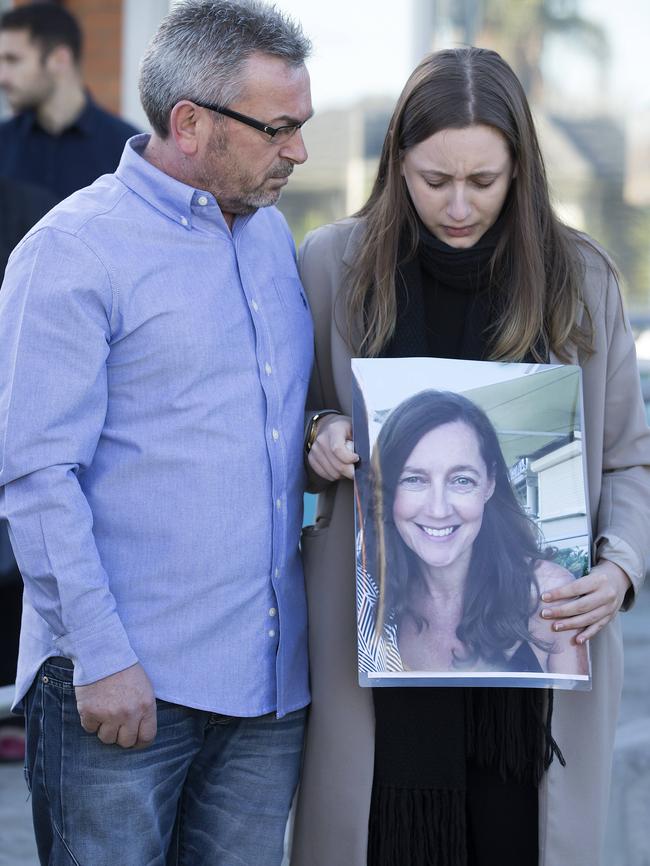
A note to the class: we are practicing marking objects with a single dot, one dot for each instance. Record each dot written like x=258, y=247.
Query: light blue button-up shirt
x=153, y=372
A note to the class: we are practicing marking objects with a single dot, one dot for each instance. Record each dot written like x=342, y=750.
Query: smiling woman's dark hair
x=501, y=591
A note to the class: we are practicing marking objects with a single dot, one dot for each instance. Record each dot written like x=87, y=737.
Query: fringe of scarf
x=417, y=827
x=507, y=729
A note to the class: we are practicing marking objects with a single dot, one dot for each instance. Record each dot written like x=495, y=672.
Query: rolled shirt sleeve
x=56, y=311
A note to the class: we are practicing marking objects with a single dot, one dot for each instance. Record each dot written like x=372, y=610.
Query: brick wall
x=101, y=22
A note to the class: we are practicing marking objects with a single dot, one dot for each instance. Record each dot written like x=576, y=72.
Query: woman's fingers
x=573, y=588
x=589, y=596
x=324, y=466
x=591, y=631
x=576, y=623
x=586, y=605
x=331, y=456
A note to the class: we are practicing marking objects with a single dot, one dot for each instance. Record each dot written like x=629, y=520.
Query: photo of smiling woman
x=451, y=574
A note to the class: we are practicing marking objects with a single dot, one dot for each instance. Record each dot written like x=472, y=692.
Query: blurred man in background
x=58, y=138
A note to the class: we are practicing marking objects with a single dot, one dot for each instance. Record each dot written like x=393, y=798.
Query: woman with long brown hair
x=458, y=254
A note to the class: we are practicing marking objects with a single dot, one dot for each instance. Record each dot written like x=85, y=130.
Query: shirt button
x=268, y=369
x=275, y=434
x=254, y=305
x=202, y=200
x=271, y=632
x=184, y=221
x=278, y=504
x=277, y=572
x=272, y=611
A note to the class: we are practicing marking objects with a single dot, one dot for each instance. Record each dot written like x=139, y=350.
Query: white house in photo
x=561, y=511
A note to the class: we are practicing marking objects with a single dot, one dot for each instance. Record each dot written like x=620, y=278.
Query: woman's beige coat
x=332, y=814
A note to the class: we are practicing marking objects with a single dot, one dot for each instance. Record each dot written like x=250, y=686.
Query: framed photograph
x=470, y=503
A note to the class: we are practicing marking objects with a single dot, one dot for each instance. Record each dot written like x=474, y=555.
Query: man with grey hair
x=155, y=347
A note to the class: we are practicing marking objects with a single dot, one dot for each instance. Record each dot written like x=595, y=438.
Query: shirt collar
x=86, y=121
x=181, y=203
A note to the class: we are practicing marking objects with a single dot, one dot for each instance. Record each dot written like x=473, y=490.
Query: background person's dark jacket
x=21, y=206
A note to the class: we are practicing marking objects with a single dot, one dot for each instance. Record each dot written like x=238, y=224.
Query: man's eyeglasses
x=276, y=133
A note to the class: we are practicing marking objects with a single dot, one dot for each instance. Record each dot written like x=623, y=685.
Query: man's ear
x=185, y=121
x=58, y=59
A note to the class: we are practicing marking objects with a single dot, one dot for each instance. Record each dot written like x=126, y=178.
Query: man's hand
x=331, y=456
x=120, y=708
x=589, y=603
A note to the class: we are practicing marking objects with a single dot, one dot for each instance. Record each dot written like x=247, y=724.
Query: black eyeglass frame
x=271, y=131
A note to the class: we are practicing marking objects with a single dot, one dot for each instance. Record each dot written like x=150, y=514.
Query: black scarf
x=445, y=300
x=429, y=740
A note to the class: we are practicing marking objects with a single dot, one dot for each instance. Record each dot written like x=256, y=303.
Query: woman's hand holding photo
x=330, y=456
x=592, y=600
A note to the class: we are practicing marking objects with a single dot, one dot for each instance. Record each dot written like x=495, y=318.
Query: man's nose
x=294, y=148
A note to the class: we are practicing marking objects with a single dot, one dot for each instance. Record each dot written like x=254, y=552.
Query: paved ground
x=16, y=839
x=628, y=833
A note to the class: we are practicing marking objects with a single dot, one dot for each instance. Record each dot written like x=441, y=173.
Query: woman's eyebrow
x=465, y=468
x=418, y=470
x=483, y=174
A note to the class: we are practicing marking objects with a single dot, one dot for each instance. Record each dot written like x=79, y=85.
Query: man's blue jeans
x=211, y=789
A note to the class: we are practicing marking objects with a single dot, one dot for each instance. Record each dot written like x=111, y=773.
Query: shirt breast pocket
x=291, y=293
x=293, y=332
